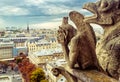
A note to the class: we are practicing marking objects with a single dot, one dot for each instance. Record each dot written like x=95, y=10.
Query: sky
x=38, y=13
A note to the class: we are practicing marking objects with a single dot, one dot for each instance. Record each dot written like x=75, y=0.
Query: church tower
x=28, y=30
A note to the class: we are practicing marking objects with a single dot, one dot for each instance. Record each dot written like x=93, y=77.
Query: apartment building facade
x=6, y=49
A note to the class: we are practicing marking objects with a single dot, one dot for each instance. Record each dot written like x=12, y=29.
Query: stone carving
x=67, y=29
x=65, y=34
x=82, y=50
x=60, y=70
x=83, y=65
x=107, y=14
x=76, y=75
x=104, y=13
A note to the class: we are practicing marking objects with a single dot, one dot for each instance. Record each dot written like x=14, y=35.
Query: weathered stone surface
x=107, y=14
x=68, y=30
x=65, y=33
x=61, y=70
x=76, y=75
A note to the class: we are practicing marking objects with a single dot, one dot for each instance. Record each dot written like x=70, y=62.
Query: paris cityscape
x=39, y=45
x=32, y=46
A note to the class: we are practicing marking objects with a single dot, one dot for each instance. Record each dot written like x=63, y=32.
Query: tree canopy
x=38, y=75
x=29, y=71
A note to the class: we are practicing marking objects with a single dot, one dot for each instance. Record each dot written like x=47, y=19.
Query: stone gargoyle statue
x=87, y=62
x=107, y=14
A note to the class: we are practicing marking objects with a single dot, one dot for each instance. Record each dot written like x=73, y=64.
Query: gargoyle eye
x=104, y=4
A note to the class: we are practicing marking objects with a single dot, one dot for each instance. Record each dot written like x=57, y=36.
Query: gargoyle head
x=106, y=12
x=65, y=20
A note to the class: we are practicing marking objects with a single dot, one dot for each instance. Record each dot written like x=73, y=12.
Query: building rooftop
x=6, y=44
x=57, y=62
x=20, y=35
x=48, y=52
x=6, y=40
x=19, y=40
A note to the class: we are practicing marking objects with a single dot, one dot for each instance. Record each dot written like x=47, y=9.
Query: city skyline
x=39, y=13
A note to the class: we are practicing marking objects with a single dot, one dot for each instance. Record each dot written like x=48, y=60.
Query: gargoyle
x=65, y=33
x=83, y=44
x=107, y=14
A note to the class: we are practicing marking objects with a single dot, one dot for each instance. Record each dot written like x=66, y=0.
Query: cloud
x=39, y=2
x=53, y=7
x=54, y=23
x=40, y=13
x=34, y=2
x=2, y=21
x=55, y=10
x=61, y=9
x=97, y=28
x=82, y=10
x=47, y=25
x=38, y=7
x=57, y=19
x=13, y=10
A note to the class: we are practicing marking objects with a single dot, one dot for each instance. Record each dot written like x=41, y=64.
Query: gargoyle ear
x=65, y=17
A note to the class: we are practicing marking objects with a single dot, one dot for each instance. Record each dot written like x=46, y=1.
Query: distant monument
x=28, y=29
x=85, y=61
